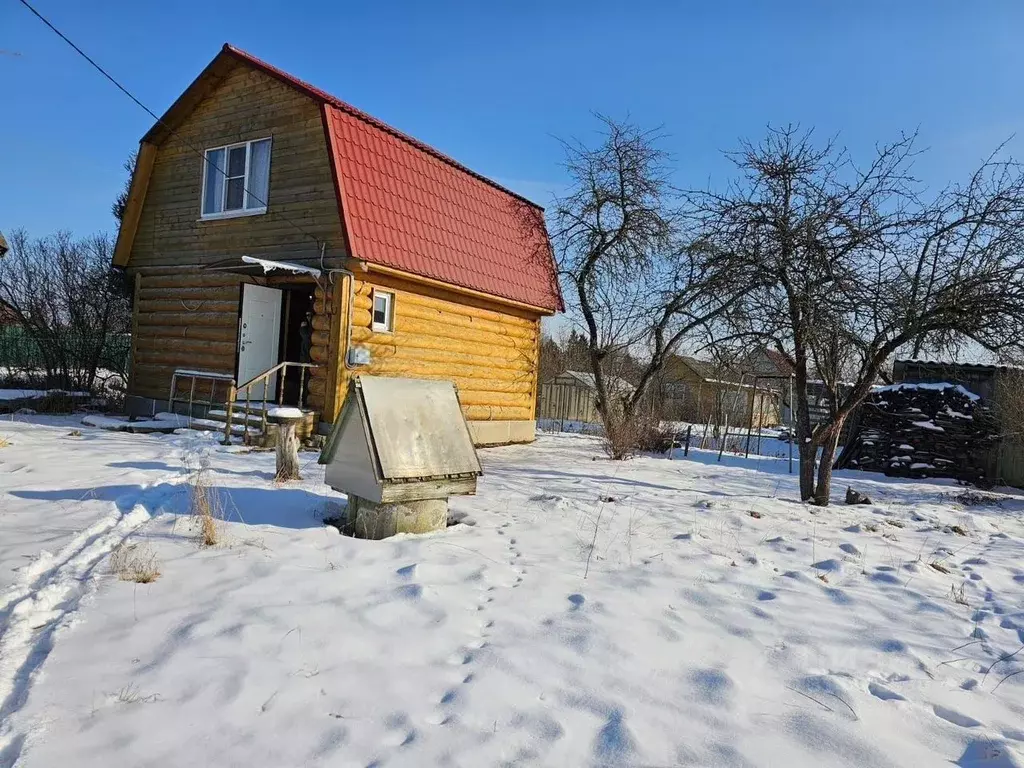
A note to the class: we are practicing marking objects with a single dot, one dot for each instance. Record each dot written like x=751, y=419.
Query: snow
x=927, y=385
x=36, y=394
x=123, y=425
x=903, y=447
x=287, y=266
x=957, y=414
x=585, y=613
x=285, y=412
x=928, y=424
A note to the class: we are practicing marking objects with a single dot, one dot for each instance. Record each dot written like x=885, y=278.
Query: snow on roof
x=287, y=266
x=939, y=385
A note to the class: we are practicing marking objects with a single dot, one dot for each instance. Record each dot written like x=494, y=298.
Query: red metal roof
x=409, y=207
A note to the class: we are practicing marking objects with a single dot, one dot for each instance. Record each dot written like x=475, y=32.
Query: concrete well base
x=378, y=521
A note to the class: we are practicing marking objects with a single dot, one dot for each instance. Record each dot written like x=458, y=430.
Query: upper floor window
x=236, y=179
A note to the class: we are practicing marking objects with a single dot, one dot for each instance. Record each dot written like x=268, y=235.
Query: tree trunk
x=807, y=451
x=823, y=489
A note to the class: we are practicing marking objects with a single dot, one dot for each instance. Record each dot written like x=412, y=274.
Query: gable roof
x=781, y=363
x=614, y=384
x=701, y=368
x=409, y=207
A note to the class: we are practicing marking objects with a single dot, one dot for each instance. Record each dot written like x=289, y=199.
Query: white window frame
x=243, y=211
x=389, y=325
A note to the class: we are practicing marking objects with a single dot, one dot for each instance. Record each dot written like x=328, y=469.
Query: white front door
x=258, y=339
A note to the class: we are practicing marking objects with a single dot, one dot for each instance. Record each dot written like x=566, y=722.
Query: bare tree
x=852, y=265
x=71, y=304
x=636, y=286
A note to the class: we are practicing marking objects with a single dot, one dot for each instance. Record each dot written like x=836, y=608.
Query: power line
x=126, y=92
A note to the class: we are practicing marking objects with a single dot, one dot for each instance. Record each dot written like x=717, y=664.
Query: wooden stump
x=287, y=451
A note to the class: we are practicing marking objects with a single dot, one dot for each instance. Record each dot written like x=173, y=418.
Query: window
x=383, y=311
x=236, y=180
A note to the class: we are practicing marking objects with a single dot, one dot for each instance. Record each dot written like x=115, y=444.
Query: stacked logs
x=922, y=430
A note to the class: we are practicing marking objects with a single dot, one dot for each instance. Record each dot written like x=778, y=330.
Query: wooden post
x=704, y=437
x=287, y=450
x=686, y=446
x=229, y=408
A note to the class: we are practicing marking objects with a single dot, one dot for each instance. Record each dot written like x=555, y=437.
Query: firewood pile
x=922, y=430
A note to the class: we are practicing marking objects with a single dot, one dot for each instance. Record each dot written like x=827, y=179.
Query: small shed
x=572, y=396
x=399, y=449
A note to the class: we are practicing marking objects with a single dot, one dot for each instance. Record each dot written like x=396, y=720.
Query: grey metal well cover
x=418, y=428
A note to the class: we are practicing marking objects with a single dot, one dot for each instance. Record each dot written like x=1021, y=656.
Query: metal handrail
x=247, y=387
x=185, y=373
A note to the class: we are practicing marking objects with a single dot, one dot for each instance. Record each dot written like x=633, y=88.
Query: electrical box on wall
x=358, y=356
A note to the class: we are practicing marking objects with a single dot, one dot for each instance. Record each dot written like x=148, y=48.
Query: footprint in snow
x=850, y=549
x=577, y=601
x=954, y=717
x=883, y=693
x=407, y=571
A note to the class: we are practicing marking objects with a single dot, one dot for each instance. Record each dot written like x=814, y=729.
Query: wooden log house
x=269, y=222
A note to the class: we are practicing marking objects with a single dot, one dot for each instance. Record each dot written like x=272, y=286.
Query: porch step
x=180, y=421
x=237, y=416
x=306, y=427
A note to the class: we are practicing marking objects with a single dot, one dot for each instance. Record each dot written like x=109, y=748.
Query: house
x=697, y=391
x=283, y=239
x=572, y=396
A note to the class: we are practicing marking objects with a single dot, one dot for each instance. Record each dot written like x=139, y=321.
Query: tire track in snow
x=34, y=611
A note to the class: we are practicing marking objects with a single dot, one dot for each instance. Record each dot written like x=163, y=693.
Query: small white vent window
x=236, y=180
x=383, y=311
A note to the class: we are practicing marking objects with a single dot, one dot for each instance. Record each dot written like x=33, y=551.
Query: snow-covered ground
x=652, y=612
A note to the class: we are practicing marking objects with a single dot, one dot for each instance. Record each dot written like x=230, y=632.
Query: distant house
x=282, y=241
x=572, y=396
x=698, y=391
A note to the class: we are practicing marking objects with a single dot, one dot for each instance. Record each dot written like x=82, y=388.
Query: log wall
x=183, y=319
x=489, y=350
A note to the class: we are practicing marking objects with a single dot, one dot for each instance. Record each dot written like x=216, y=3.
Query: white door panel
x=259, y=336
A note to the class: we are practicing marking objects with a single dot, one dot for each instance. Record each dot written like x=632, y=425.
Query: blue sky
x=494, y=83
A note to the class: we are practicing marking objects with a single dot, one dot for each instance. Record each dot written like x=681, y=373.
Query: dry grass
x=135, y=562
x=206, y=509
x=957, y=594
x=130, y=694
x=4, y=442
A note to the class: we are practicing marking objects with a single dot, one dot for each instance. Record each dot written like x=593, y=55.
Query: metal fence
x=567, y=403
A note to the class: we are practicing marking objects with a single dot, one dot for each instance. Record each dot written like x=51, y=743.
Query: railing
x=264, y=378
x=193, y=376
